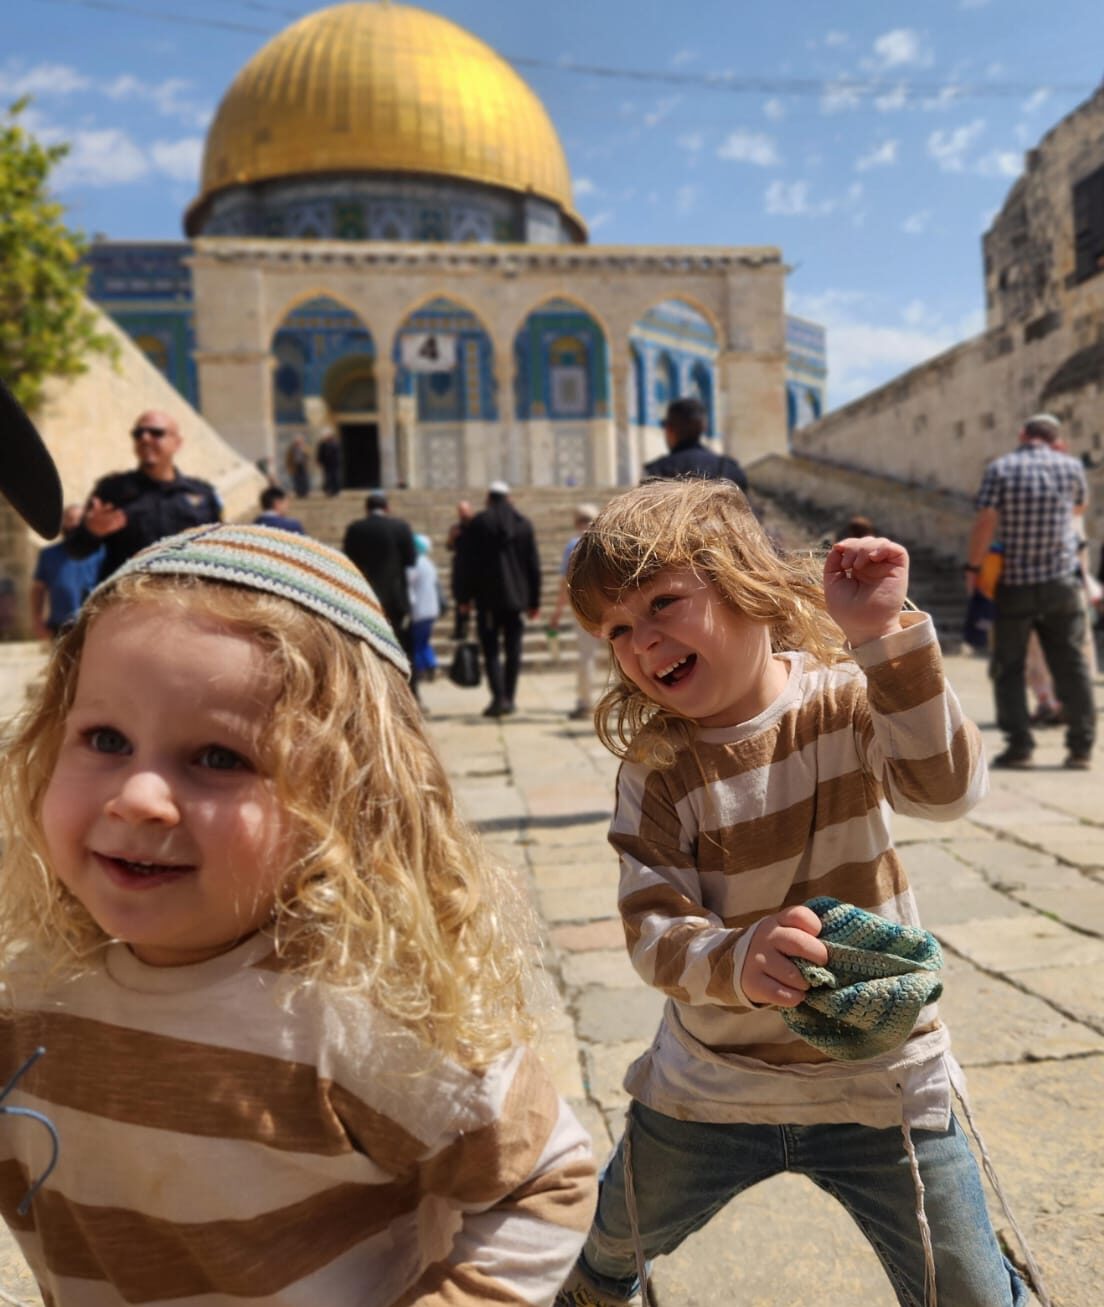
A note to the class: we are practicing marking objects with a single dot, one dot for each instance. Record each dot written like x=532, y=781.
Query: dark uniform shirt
x=154, y=509
x=692, y=459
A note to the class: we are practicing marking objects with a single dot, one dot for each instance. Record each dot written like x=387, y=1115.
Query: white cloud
x=742, y=146
x=866, y=347
x=949, y=148
x=946, y=97
x=916, y=224
x=583, y=186
x=691, y=142
x=774, y=109
x=179, y=160
x=787, y=199
x=686, y=200
x=836, y=38
x=601, y=219
x=901, y=48
x=840, y=96
x=168, y=97
x=891, y=101
x=878, y=156
x=792, y=200
x=101, y=158
x=662, y=110
x=1000, y=163
x=683, y=57
x=1036, y=100
x=41, y=81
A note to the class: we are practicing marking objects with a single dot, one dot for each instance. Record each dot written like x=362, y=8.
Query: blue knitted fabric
x=879, y=975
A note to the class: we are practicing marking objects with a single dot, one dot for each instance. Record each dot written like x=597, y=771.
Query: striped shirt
x=227, y=1137
x=790, y=805
x=1035, y=489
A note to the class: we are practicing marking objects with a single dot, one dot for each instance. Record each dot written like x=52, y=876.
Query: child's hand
x=769, y=975
x=865, y=583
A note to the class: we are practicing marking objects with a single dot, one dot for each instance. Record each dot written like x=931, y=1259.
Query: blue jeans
x=686, y=1171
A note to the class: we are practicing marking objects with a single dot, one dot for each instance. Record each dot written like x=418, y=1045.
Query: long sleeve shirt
x=228, y=1137
x=790, y=805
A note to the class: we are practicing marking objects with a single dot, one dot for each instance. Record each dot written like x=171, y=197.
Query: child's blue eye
x=217, y=758
x=661, y=601
x=616, y=631
x=106, y=739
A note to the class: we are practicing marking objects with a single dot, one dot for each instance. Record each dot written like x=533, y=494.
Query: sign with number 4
x=429, y=351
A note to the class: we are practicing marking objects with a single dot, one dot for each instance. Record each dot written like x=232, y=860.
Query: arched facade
x=529, y=383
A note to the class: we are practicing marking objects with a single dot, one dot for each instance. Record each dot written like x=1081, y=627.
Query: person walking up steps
x=768, y=724
x=498, y=567
x=279, y=985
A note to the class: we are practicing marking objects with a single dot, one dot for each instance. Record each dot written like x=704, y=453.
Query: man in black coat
x=498, y=567
x=128, y=510
x=684, y=425
x=383, y=548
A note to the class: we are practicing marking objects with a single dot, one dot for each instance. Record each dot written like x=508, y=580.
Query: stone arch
x=306, y=296
x=455, y=334
x=678, y=343
x=314, y=335
x=317, y=340
x=576, y=301
x=562, y=357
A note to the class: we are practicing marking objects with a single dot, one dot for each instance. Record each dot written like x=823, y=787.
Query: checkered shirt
x=1035, y=489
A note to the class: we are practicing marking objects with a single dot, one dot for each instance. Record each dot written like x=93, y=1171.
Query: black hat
x=28, y=478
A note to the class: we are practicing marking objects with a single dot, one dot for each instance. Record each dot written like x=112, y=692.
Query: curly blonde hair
x=389, y=890
x=709, y=527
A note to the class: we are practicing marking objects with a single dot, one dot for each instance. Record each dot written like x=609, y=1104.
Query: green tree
x=46, y=326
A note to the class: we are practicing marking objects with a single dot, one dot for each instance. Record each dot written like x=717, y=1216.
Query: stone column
x=235, y=397
x=620, y=436
x=392, y=468
x=751, y=404
x=511, y=460
x=751, y=366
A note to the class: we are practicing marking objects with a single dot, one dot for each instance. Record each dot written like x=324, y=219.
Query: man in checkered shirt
x=1028, y=500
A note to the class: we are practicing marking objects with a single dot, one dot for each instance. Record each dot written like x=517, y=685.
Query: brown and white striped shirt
x=780, y=809
x=226, y=1138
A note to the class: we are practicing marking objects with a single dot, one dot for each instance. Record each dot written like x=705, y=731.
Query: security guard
x=129, y=510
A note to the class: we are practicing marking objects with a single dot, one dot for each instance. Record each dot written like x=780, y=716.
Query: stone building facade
x=379, y=185
x=1042, y=349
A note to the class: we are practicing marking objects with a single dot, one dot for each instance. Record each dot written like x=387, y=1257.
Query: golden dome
x=375, y=87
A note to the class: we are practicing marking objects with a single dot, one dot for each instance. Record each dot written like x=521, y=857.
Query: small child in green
x=769, y=721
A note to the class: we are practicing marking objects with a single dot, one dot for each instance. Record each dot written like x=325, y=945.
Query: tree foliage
x=46, y=326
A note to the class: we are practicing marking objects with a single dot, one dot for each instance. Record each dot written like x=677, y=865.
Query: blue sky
x=875, y=146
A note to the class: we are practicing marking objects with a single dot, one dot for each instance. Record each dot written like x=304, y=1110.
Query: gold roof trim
x=376, y=87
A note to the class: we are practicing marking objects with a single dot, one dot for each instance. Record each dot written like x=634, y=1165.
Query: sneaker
x=580, y=713
x=1013, y=759
x=579, y=1292
x=1078, y=761
x=495, y=709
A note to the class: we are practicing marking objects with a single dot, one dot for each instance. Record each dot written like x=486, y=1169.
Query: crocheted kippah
x=294, y=567
x=879, y=975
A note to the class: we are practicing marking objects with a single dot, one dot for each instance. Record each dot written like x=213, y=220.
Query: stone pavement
x=1015, y=892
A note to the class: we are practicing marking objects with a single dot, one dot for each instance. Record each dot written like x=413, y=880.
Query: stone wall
x=85, y=422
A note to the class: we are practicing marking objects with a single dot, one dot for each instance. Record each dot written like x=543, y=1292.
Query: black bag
x=464, y=668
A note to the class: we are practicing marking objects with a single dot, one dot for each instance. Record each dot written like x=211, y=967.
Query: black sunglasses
x=156, y=432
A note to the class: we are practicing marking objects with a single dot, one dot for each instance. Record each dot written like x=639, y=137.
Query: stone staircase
x=432, y=512
x=936, y=584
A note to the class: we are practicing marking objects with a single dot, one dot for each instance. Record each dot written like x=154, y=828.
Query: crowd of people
x=243, y=916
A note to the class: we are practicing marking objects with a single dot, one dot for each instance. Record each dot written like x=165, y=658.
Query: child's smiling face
x=685, y=648
x=157, y=816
